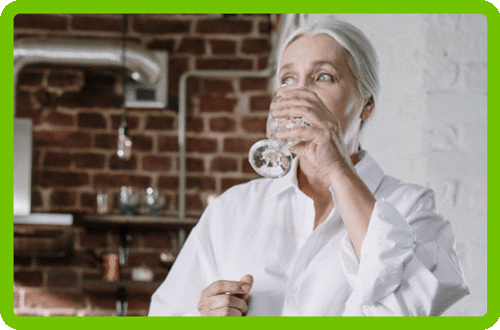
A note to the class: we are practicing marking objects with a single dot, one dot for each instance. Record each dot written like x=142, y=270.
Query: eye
x=286, y=81
x=324, y=77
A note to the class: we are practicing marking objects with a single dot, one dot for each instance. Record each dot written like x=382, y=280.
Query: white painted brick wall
x=430, y=127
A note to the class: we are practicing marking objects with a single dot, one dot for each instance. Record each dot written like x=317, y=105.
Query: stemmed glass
x=272, y=158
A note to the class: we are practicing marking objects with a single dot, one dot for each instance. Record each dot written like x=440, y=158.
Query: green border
x=256, y=6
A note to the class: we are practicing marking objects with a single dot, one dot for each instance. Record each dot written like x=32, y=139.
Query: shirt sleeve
x=193, y=270
x=408, y=264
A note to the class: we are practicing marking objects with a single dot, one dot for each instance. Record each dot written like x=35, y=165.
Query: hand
x=322, y=142
x=226, y=298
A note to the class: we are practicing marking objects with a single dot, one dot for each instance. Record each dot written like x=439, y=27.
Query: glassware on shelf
x=272, y=158
x=102, y=202
x=128, y=201
x=154, y=202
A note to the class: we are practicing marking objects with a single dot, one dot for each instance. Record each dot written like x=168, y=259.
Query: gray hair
x=363, y=60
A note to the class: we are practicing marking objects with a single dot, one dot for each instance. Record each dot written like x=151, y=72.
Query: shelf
x=111, y=287
x=139, y=220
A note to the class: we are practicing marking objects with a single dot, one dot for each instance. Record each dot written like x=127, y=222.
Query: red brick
x=55, y=118
x=262, y=63
x=254, y=124
x=222, y=124
x=168, y=143
x=60, y=179
x=29, y=78
x=168, y=182
x=255, y=46
x=162, y=44
x=41, y=21
x=193, y=203
x=62, y=277
x=192, y=46
x=201, y=183
x=28, y=278
x=93, y=238
x=141, y=142
x=217, y=104
x=106, y=141
x=226, y=26
x=137, y=302
x=25, y=107
x=36, y=198
x=156, y=163
x=229, y=182
x=238, y=145
x=224, y=64
x=157, y=240
x=50, y=138
x=45, y=98
x=53, y=299
x=118, y=180
x=98, y=92
x=57, y=159
x=216, y=87
x=160, y=122
x=151, y=25
x=88, y=200
x=194, y=125
x=91, y=120
x=97, y=23
x=149, y=259
x=194, y=165
x=260, y=103
x=117, y=163
x=254, y=84
x=247, y=168
x=201, y=145
x=265, y=27
x=64, y=79
x=88, y=160
x=103, y=300
x=16, y=298
x=223, y=46
x=62, y=198
x=224, y=164
x=132, y=122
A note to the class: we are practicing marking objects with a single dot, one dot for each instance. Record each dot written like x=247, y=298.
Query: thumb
x=247, y=282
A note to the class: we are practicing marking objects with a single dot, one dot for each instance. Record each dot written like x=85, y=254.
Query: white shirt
x=265, y=228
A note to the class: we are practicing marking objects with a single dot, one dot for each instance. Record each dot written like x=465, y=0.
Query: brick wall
x=76, y=115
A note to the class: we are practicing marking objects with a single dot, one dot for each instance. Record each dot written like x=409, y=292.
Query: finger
x=227, y=300
x=224, y=311
x=305, y=134
x=222, y=286
x=247, y=281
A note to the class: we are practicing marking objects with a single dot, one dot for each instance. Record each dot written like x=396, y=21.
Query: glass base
x=270, y=159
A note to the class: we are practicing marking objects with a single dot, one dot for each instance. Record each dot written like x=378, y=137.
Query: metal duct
x=87, y=52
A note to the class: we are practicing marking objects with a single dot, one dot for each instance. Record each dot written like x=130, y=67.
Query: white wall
x=430, y=126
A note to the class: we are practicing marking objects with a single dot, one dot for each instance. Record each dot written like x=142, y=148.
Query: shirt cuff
x=388, y=245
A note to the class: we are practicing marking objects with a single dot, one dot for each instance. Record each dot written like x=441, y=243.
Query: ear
x=367, y=109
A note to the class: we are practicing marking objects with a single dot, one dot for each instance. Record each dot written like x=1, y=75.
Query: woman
x=335, y=236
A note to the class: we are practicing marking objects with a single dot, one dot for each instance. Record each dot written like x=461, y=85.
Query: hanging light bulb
x=124, y=142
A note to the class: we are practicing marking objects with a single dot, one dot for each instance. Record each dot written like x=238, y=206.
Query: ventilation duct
x=147, y=87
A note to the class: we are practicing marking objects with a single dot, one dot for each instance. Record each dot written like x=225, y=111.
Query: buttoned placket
x=308, y=240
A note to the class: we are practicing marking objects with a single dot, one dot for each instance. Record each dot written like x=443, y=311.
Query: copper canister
x=111, y=267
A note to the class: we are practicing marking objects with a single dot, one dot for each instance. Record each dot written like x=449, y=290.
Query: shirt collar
x=367, y=169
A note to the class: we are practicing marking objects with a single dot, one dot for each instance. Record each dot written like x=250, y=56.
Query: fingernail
x=245, y=287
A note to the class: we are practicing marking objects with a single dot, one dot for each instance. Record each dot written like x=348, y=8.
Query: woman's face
x=320, y=63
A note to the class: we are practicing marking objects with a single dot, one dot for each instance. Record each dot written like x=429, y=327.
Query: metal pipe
x=85, y=52
x=275, y=40
x=182, y=118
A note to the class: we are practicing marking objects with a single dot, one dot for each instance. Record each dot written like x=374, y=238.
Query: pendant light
x=124, y=150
